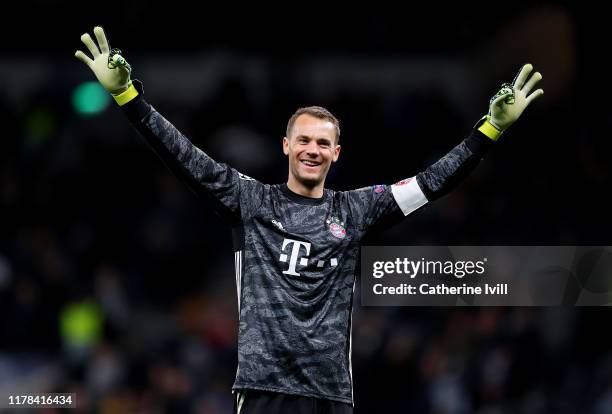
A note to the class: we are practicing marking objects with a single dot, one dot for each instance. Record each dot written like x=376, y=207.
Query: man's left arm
x=382, y=208
x=445, y=174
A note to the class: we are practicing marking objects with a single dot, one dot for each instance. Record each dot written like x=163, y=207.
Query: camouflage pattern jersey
x=295, y=256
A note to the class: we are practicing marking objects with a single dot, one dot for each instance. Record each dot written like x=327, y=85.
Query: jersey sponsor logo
x=295, y=248
x=295, y=259
x=404, y=182
x=379, y=189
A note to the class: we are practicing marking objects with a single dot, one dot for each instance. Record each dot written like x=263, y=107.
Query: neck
x=304, y=190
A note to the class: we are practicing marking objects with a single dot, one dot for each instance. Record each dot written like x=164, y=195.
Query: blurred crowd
x=117, y=284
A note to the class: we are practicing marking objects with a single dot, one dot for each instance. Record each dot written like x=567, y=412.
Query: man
x=297, y=244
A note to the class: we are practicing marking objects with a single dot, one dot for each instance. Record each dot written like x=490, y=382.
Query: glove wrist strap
x=485, y=126
x=127, y=95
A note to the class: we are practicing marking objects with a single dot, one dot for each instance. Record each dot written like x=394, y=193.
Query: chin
x=310, y=181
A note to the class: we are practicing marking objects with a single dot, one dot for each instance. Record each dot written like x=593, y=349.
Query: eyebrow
x=318, y=139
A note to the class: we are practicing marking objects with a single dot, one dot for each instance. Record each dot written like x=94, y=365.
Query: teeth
x=310, y=163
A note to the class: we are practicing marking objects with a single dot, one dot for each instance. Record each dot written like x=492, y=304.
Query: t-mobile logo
x=295, y=252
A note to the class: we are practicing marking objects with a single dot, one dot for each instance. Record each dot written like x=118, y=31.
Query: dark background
x=117, y=283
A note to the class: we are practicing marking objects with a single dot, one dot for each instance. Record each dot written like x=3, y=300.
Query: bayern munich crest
x=336, y=228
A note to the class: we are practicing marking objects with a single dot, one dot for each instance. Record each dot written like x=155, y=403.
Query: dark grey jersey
x=295, y=258
x=295, y=277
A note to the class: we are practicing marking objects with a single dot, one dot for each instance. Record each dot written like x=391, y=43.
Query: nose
x=312, y=149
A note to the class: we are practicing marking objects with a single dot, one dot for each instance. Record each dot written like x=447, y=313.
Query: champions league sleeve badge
x=378, y=189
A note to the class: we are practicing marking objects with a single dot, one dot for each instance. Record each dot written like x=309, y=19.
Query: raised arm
x=375, y=206
x=217, y=183
x=504, y=109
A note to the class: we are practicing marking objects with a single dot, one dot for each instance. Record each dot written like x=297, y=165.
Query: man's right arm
x=217, y=183
x=213, y=181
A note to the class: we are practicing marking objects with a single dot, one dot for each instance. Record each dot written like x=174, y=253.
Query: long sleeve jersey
x=295, y=257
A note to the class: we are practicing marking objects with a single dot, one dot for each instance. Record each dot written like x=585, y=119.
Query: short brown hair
x=317, y=112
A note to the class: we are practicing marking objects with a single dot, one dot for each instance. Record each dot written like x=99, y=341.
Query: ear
x=286, y=145
x=336, y=153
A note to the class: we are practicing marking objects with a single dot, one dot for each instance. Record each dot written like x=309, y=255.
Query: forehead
x=313, y=127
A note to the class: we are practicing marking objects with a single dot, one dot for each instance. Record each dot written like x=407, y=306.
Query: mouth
x=310, y=164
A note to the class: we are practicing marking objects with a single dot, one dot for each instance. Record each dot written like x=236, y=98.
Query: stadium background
x=118, y=284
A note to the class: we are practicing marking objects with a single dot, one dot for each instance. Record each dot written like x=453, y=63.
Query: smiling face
x=311, y=147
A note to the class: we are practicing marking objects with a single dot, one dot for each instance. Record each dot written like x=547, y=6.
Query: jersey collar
x=298, y=198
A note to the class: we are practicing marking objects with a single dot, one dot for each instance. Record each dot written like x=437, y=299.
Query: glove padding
x=510, y=102
x=111, y=69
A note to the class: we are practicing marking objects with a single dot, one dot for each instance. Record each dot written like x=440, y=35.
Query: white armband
x=408, y=195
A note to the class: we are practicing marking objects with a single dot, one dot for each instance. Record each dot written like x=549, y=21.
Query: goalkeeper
x=296, y=244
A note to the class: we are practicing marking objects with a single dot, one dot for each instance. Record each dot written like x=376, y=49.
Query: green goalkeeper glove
x=111, y=69
x=509, y=103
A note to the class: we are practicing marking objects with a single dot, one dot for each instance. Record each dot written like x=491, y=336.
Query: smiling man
x=312, y=149
x=296, y=244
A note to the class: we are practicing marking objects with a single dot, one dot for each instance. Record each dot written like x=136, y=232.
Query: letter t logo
x=295, y=251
